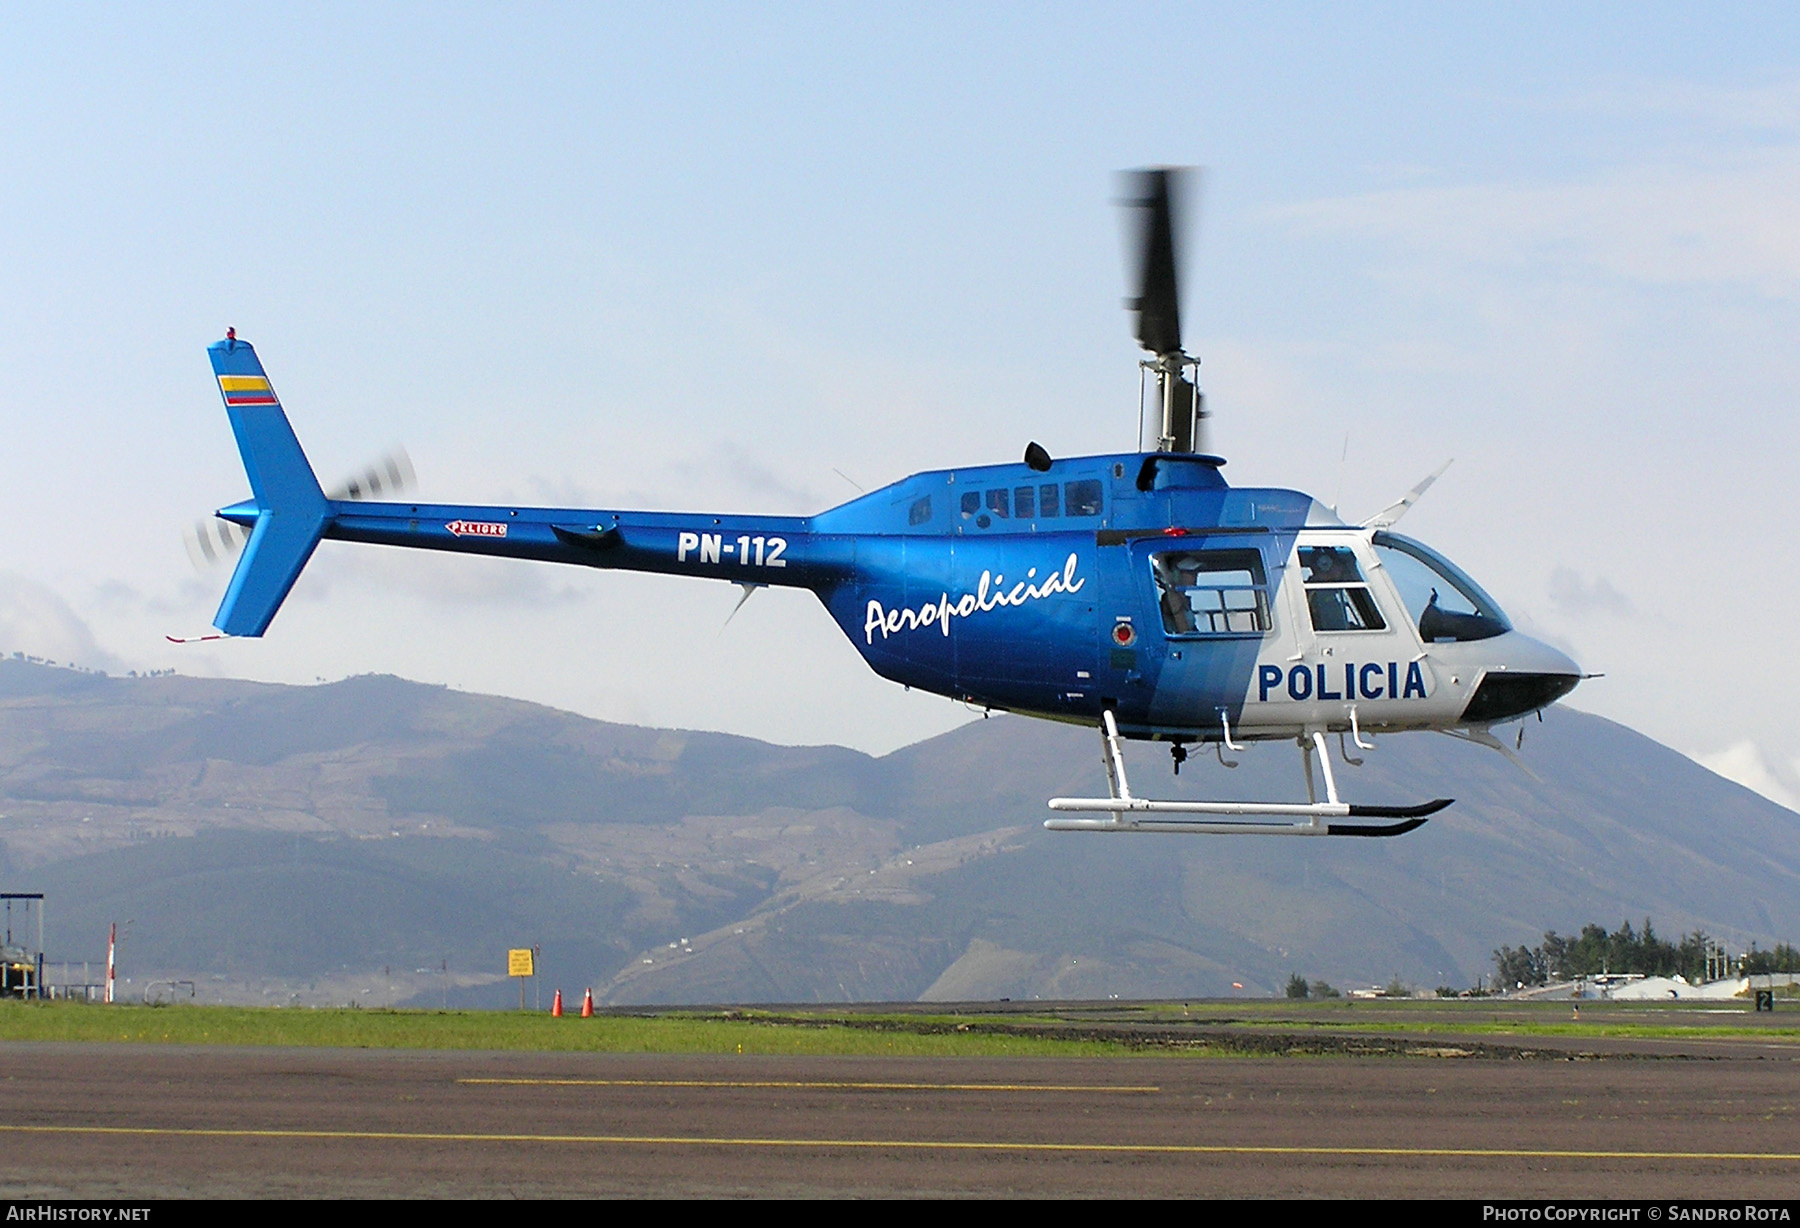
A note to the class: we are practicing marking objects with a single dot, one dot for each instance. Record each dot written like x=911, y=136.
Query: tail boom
x=774, y=550
x=289, y=514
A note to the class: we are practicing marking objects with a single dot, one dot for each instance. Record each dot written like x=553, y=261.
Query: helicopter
x=1137, y=593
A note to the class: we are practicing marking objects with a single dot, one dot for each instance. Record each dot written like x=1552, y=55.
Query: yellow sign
x=518, y=962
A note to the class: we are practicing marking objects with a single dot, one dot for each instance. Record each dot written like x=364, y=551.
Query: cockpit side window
x=1211, y=592
x=1337, y=596
x=1445, y=603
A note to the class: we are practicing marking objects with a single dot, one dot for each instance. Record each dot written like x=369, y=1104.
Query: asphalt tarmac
x=127, y=1121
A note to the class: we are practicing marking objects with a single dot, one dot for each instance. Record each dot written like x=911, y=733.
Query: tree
x=1784, y=958
x=1516, y=966
x=1595, y=951
x=1296, y=986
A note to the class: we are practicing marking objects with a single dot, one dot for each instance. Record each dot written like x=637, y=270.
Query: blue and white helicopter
x=1137, y=593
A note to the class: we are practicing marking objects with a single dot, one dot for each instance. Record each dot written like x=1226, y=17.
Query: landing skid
x=1330, y=817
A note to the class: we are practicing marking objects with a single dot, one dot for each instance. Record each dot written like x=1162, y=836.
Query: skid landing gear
x=1331, y=817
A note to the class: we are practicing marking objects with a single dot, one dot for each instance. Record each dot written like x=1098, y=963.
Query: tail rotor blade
x=212, y=542
x=389, y=475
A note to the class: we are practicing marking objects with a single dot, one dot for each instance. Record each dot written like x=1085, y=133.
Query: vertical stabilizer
x=291, y=509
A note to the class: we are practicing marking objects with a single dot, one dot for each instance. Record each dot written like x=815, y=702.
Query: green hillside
x=357, y=839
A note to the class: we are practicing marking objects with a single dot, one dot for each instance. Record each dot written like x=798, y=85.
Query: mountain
x=385, y=840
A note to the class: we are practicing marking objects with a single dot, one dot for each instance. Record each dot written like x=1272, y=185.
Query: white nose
x=1526, y=675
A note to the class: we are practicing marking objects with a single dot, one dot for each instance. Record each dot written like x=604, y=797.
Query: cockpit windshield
x=1444, y=602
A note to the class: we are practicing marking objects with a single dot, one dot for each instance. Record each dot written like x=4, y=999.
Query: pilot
x=1175, y=573
x=1322, y=568
x=1328, y=606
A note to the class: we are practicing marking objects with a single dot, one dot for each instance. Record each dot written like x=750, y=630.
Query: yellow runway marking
x=828, y=1085
x=871, y=1144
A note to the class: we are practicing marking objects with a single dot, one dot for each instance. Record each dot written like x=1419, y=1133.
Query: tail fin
x=291, y=511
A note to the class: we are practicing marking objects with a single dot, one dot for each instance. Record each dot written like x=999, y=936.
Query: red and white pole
x=112, y=946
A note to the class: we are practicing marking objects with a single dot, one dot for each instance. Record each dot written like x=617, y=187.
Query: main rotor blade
x=1156, y=196
x=1393, y=511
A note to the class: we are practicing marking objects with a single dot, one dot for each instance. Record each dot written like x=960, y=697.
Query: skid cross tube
x=1127, y=813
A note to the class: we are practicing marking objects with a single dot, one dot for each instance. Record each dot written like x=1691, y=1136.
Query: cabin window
x=1336, y=594
x=1443, y=602
x=1041, y=502
x=1211, y=592
x=920, y=511
x=1083, y=498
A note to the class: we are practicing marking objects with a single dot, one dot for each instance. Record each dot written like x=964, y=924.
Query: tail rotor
x=389, y=475
x=214, y=541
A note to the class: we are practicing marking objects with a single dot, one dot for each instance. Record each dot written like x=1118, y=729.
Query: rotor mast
x=1175, y=420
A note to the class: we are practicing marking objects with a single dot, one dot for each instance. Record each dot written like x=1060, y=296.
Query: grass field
x=1022, y=1029
x=398, y=1029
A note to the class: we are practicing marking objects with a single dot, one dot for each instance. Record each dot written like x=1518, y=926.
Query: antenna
x=1337, y=498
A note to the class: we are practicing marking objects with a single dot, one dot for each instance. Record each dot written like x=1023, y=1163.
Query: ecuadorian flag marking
x=247, y=390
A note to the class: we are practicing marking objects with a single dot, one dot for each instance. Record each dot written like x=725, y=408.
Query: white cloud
x=1745, y=764
x=438, y=577
x=1772, y=108
x=1525, y=621
x=1572, y=593
x=1726, y=220
x=36, y=621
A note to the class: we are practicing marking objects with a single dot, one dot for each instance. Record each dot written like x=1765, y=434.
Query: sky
x=752, y=258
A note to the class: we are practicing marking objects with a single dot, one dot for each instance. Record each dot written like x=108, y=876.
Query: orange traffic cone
x=556, y=1006
x=587, y=1005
